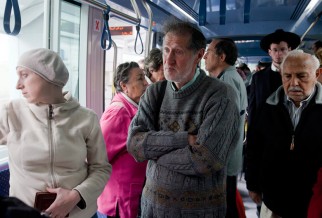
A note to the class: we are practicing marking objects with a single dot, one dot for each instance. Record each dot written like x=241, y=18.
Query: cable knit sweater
x=183, y=180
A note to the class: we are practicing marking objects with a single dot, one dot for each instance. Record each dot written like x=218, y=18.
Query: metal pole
x=100, y=5
x=312, y=25
x=149, y=33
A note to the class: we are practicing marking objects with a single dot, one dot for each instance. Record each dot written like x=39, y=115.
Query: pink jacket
x=125, y=185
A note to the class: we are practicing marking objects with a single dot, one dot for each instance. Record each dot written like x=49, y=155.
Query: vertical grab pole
x=312, y=25
x=138, y=15
x=149, y=34
x=114, y=65
x=136, y=9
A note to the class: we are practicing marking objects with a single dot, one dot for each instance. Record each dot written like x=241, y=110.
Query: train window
x=124, y=35
x=30, y=36
x=33, y=34
x=69, y=44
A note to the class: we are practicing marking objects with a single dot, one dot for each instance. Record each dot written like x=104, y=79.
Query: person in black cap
x=266, y=81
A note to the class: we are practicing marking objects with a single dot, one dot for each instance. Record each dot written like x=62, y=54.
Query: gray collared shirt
x=295, y=112
x=197, y=73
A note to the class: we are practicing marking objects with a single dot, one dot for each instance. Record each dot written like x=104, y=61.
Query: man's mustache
x=295, y=89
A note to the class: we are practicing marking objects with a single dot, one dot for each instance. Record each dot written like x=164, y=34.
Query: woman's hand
x=65, y=201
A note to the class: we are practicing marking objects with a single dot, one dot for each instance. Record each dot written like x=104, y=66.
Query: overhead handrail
x=202, y=13
x=312, y=25
x=149, y=33
x=222, y=12
x=138, y=35
x=106, y=33
x=100, y=5
x=136, y=9
x=12, y=4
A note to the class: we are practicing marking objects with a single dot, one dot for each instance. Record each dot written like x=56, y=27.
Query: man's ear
x=222, y=57
x=317, y=73
x=200, y=55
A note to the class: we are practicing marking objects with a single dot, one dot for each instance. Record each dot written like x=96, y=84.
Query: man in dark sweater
x=186, y=128
x=284, y=151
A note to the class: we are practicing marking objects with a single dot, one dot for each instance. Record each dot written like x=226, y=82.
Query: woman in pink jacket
x=121, y=195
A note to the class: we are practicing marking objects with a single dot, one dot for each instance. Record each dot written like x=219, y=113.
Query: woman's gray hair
x=153, y=60
x=300, y=53
x=122, y=74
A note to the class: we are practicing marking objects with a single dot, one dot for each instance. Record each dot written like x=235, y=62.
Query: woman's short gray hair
x=122, y=74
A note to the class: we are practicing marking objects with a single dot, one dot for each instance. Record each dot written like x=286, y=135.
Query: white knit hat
x=46, y=64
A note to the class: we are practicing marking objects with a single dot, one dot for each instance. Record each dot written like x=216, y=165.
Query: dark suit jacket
x=264, y=83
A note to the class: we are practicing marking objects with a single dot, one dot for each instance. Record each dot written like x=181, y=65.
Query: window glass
x=69, y=44
x=30, y=37
x=123, y=34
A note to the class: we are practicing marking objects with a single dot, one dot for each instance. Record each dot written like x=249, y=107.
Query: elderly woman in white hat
x=55, y=145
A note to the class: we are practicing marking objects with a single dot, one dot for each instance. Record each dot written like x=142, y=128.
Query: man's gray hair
x=178, y=27
x=315, y=63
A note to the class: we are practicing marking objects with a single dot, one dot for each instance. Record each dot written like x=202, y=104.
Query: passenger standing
x=220, y=59
x=142, y=67
x=154, y=65
x=265, y=82
x=284, y=151
x=55, y=145
x=262, y=64
x=121, y=195
x=317, y=49
x=243, y=68
x=187, y=135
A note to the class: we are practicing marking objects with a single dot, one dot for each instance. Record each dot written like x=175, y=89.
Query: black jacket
x=285, y=177
x=264, y=83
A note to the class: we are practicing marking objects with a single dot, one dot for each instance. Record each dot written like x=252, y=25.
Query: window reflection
x=69, y=44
